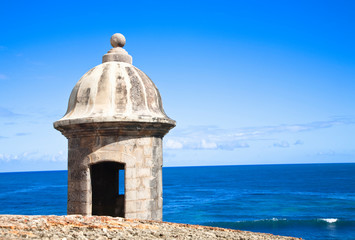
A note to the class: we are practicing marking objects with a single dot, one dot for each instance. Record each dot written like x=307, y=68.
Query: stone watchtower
x=114, y=124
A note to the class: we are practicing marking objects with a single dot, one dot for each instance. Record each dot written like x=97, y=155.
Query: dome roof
x=115, y=91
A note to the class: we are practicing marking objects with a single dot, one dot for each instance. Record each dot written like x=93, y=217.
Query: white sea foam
x=329, y=220
x=270, y=219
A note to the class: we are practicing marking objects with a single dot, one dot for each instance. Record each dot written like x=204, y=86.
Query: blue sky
x=248, y=82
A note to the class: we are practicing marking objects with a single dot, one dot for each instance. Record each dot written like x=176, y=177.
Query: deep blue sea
x=312, y=201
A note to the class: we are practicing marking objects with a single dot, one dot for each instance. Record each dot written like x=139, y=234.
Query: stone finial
x=118, y=40
x=117, y=53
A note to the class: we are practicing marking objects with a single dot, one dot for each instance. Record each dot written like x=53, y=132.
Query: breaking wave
x=328, y=220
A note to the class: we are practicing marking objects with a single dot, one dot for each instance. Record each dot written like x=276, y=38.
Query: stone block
x=139, y=154
x=130, y=172
x=143, y=215
x=112, y=147
x=144, y=172
x=144, y=141
x=73, y=143
x=73, y=196
x=160, y=202
x=106, y=140
x=130, y=206
x=129, y=160
x=108, y=155
x=159, y=214
x=154, y=193
x=142, y=205
x=147, y=181
x=85, y=186
x=84, y=208
x=127, y=141
x=143, y=194
x=147, y=150
x=87, y=142
x=85, y=196
x=73, y=186
x=130, y=195
x=71, y=208
x=153, y=183
x=78, y=175
x=131, y=184
x=153, y=205
x=131, y=215
x=148, y=162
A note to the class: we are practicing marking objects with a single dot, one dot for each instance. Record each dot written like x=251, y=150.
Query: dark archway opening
x=107, y=195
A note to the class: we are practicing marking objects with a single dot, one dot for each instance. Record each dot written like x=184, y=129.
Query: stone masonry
x=143, y=176
x=115, y=121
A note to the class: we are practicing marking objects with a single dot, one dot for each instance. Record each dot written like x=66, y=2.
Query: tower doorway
x=107, y=189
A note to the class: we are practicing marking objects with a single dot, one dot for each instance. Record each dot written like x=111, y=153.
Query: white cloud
x=172, y=144
x=232, y=145
x=345, y=156
x=33, y=156
x=208, y=145
x=212, y=137
x=8, y=157
x=326, y=153
x=58, y=157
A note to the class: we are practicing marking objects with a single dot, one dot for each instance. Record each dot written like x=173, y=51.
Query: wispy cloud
x=173, y=144
x=331, y=153
x=282, y=144
x=212, y=137
x=326, y=153
x=20, y=134
x=6, y=113
x=203, y=143
x=9, y=157
x=34, y=156
x=298, y=142
x=293, y=128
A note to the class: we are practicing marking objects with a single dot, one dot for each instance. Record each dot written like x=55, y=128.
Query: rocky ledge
x=99, y=227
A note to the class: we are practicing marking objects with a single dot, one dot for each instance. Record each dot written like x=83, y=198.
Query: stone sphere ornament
x=118, y=40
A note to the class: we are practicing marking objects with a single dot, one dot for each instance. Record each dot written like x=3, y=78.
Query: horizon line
x=263, y=164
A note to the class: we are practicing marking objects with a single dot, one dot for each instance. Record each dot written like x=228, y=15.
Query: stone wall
x=84, y=227
x=142, y=157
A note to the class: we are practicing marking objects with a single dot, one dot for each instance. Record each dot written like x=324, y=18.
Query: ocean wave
x=328, y=220
x=284, y=223
x=269, y=219
x=326, y=195
x=25, y=190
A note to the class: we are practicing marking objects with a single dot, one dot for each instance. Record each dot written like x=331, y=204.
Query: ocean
x=311, y=201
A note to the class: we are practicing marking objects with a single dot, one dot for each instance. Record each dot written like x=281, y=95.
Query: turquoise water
x=313, y=201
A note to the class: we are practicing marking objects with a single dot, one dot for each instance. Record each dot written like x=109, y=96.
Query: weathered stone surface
x=143, y=181
x=80, y=227
x=98, y=97
x=115, y=121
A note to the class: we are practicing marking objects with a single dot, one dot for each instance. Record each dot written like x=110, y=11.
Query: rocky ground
x=98, y=227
